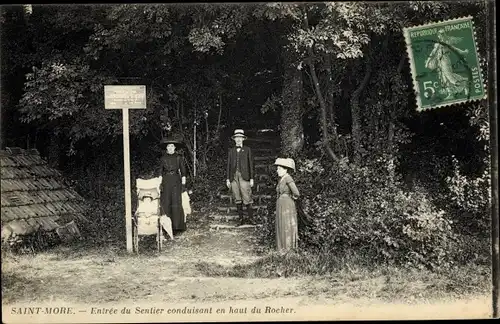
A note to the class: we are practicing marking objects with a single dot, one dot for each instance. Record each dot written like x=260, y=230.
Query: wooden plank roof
x=33, y=195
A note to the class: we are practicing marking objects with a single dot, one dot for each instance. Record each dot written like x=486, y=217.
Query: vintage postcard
x=249, y=162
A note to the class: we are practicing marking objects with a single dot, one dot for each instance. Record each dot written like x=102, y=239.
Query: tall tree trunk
x=329, y=87
x=356, y=113
x=54, y=151
x=5, y=102
x=390, y=142
x=292, y=131
x=392, y=130
x=330, y=99
x=317, y=89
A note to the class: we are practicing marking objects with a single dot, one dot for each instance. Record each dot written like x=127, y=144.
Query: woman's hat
x=287, y=163
x=239, y=133
x=170, y=140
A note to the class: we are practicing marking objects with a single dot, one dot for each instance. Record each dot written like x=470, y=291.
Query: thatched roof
x=34, y=196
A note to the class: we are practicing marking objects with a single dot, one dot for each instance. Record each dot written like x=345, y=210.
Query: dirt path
x=108, y=274
x=108, y=277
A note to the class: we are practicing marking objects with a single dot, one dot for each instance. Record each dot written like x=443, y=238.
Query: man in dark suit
x=240, y=172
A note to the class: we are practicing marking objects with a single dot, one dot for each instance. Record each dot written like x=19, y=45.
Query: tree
x=290, y=101
x=64, y=90
x=333, y=48
x=14, y=56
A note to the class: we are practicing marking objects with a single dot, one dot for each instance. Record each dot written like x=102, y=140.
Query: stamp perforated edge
x=413, y=70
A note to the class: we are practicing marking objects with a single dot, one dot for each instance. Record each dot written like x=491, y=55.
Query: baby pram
x=148, y=219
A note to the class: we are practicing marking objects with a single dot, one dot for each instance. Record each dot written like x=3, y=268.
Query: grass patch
x=354, y=277
x=274, y=265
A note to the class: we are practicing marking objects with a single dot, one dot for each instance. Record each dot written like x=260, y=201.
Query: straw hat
x=239, y=133
x=287, y=163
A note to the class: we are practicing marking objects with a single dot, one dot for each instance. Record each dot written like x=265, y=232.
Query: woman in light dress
x=286, y=211
x=439, y=59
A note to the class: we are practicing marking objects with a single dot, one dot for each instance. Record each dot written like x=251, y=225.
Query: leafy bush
x=101, y=185
x=208, y=184
x=32, y=243
x=364, y=211
x=266, y=218
x=472, y=249
x=469, y=197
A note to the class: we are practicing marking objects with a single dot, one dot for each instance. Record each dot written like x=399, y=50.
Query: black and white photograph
x=249, y=162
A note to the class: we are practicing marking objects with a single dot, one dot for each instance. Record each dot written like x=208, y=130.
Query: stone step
x=265, y=158
x=263, y=151
x=232, y=227
x=261, y=187
x=250, y=141
x=233, y=208
x=259, y=174
x=262, y=177
x=258, y=187
x=228, y=209
x=225, y=218
x=266, y=167
x=258, y=198
x=263, y=196
x=261, y=132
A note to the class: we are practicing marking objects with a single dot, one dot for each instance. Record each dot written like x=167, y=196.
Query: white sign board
x=125, y=97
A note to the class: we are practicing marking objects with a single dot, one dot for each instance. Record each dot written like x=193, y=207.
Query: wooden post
x=194, y=151
x=126, y=173
x=493, y=114
x=194, y=141
x=126, y=97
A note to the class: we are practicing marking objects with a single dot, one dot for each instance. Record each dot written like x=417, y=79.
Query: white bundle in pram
x=148, y=208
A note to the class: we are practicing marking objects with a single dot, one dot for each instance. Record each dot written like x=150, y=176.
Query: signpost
x=126, y=97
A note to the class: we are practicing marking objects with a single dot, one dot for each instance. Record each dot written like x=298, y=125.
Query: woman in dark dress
x=173, y=172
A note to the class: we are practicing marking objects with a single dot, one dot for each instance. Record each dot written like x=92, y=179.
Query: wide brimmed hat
x=170, y=140
x=287, y=163
x=239, y=133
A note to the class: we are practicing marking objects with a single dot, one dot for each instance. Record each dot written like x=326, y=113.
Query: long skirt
x=171, y=202
x=286, y=224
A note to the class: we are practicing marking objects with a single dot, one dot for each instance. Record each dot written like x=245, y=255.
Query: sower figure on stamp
x=240, y=172
x=439, y=59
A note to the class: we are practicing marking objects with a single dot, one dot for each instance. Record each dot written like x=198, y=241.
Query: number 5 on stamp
x=444, y=63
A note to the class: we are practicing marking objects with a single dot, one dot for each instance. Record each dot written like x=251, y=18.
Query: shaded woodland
x=378, y=177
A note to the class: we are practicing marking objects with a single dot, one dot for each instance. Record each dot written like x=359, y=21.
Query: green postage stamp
x=444, y=63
